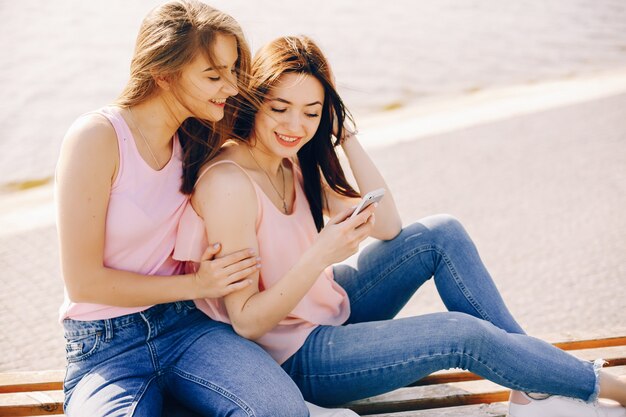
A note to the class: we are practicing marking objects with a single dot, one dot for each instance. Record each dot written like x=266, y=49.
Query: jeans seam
x=216, y=388
x=460, y=285
x=142, y=391
x=513, y=385
x=154, y=357
x=92, y=351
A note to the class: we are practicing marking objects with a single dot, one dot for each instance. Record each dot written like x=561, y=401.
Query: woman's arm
x=85, y=172
x=227, y=202
x=368, y=178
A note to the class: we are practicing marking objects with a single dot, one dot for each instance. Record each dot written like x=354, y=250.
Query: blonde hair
x=170, y=37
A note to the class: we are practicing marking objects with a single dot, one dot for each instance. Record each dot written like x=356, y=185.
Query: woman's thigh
x=222, y=374
x=343, y=363
x=109, y=374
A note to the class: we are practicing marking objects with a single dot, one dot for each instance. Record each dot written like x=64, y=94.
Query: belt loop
x=108, y=330
x=179, y=306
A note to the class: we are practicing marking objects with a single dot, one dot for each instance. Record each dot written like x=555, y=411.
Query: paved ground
x=543, y=195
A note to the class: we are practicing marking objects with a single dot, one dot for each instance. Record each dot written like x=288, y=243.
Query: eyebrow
x=282, y=100
x=214, y=69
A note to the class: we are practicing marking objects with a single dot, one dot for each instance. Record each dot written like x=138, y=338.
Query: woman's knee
x=468, y=332
x=282, y=403
x=445, y=224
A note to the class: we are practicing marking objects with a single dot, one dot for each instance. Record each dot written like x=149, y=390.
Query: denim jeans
x=127, y=366
x=371, y=353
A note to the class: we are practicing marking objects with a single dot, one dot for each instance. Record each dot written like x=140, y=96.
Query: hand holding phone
x=369, y=198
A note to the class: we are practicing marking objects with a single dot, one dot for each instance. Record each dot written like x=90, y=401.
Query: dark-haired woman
x=331, y=327
x=133, y=338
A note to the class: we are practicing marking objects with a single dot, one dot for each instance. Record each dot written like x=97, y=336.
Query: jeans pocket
x=82, y=346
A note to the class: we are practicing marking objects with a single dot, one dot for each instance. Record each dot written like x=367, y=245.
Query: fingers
x=236, y=286
x=362, y=217
x=239, y=280
x=219, y=279
x=252, y=262
x=211, y=251
x=235, y=257
x=343, y=215
x=242, y=274
x=365, y=229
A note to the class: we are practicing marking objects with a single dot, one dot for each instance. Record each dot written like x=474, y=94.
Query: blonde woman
x=132, y=338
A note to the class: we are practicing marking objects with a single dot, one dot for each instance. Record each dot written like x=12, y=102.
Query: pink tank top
x=145, y=207
x=282, y=240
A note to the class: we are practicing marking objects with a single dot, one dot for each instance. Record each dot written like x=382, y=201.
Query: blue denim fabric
x=372, y=354
x=128, y=365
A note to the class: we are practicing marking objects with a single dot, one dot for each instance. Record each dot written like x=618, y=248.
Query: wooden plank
x=430, y=403
x=31, y=381
x=434, y=396
x=614, y=356
x=591, y=343
x=35, y=403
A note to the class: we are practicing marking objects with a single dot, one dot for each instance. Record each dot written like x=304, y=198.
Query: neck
x=157, y=121
x=269, y=162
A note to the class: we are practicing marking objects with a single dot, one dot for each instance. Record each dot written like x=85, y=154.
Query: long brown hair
x=170, y=37
x=300, y=54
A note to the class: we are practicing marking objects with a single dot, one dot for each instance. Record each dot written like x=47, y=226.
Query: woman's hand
x=342, y=235
x=219, y=277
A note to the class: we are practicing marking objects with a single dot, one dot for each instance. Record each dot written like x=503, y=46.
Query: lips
x=219, y=102
x=289, y=141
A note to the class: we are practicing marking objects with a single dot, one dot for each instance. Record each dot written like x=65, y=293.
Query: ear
x=162, y=81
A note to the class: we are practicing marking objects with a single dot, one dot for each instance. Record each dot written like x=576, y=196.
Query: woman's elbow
x=390, y=232
x=248, y=331
x=76, y=291
x=79, y=289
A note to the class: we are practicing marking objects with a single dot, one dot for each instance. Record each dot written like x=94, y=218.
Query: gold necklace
x=282, y=197
x=156, y=161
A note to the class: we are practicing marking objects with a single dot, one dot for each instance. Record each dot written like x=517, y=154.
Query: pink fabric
x=145, y=207
x=282, y=240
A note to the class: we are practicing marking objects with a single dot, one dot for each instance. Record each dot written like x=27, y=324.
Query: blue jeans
x=372, y=354
x=128, y=365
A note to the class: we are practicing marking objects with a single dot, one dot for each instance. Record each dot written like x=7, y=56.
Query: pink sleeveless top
x=282, y=240
x=145, y=207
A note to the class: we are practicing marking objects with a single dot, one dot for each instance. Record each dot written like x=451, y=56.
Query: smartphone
x=369, y=198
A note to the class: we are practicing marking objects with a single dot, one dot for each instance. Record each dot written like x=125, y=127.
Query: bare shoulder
x=225, y=187
x=90, y=131
x=90, y=135
x=89, y=151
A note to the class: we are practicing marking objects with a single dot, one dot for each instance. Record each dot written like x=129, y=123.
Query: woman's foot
x=521, y=405
x=316, y=411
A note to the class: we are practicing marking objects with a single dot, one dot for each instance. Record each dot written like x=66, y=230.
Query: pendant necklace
x=282, y=197
x=156, y=161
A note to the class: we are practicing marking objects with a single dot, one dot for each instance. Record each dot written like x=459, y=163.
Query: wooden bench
x=446, y=393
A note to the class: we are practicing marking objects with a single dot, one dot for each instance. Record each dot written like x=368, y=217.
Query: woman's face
x=203, y=89
x=290, y=115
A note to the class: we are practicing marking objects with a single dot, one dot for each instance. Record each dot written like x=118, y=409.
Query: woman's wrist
x=190, y=284
x=313, y=260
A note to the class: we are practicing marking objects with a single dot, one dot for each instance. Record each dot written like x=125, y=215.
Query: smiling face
x=290, y=115
x=203, y=88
